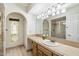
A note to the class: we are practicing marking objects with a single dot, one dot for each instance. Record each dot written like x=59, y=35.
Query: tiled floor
x=17, y=51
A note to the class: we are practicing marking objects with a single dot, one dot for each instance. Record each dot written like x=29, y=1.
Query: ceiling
x=35, y=8
x=40, y=8
x=26, y=6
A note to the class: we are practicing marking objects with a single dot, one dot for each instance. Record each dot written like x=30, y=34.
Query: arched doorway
x=2, y=11
x=16, y=29
x=45, y=27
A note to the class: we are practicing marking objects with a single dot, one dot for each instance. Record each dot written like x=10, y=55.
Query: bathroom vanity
x=41, y=49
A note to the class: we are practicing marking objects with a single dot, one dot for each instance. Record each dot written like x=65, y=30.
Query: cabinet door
x=39, y=52
x=56, y=54
x=45, y=52
x=34, y=48
x=34, y=52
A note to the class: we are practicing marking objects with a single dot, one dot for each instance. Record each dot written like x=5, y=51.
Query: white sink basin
x=49, y=43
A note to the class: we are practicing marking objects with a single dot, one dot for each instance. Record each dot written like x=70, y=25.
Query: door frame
x=25, y=23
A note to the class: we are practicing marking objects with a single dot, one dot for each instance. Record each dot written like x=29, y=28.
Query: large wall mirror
x=58, y=27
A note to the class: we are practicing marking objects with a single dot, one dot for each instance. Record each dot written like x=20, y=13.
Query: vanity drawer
x=56, y=54
x=45, y=51
x=40, y=53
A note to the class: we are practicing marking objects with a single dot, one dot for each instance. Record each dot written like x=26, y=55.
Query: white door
x=14, y=32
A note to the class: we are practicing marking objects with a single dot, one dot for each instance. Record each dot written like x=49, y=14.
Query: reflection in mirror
x=58, y=28
x=45, y=27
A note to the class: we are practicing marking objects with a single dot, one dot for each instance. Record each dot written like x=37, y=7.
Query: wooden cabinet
x=39, y=53
x=44, y=51
x=34, y=48
x=38, y=50
x=56, y=54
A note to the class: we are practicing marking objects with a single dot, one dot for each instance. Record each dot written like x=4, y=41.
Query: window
x=14, y=30
x=14, y=27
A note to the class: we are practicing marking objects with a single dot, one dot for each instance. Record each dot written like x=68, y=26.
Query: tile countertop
x=63, y=49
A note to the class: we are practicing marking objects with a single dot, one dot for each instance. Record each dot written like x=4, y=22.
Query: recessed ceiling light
x=53, y=9
x=63, y=10
x=53, y=14
x=58, y=12
x=42, y=14
x=38, y=17
x=49, y=12
x=59, y=6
